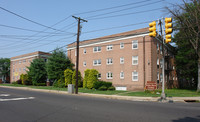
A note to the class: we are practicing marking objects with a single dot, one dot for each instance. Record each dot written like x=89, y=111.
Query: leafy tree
x=4, y=68
x=56, y=65
x=92, y=78
x=25, y=79
x=74, y=78
x=68, y=76
x=187, y=18
x=85, y=80
x=37, y=71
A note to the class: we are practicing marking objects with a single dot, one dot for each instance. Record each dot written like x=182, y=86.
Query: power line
x=104, y=9
x=27, y=19
x=126, y=14
x=125, y=9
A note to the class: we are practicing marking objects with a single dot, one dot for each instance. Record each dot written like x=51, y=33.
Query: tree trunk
x=198, y=84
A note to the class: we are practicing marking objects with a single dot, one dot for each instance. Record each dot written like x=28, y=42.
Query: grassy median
x=169, y=92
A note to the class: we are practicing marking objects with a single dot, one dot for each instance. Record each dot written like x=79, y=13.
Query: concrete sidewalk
x=131, y=98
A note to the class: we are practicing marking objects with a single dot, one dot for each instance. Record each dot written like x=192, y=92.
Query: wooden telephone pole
x=77, y=49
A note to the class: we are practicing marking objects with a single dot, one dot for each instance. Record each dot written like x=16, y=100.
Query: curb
x=130, y=98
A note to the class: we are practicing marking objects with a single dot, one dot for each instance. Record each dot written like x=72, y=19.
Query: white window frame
x=158, y=61
x=122, y=45
x=98, y=49
x=109, y=61
x=109, y=47
x=98, y=62
x=109, y=75
x=20, y=62
x=158, y=76
x=84, y=64
x=134, y=74
x=122, y=60
x=84, y=51
x=121, y=75
x=135, y=43
x=158, y=46
x=75, y=52
x=161, y=49
x=134, y=58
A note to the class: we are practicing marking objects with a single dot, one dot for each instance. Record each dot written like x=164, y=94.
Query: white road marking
x=15, y=99
x=4, y=95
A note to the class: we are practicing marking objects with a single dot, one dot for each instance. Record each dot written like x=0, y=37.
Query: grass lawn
x=169, y=92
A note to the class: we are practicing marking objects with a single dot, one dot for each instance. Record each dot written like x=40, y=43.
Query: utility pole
x=77, y=49
x=163, y=61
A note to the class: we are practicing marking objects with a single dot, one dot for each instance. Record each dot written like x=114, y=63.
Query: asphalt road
x=33, y=106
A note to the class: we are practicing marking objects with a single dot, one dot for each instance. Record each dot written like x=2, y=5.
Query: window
x=158, y=61
x=96, y=62
x=157, y=46
x=121, y=75
x=109, y=61
x=122, y=60
x=19, y=69
x=109, y=47
x=13, y=70
x=45, y=60
x=24, y=69
x=135, y=60
x=109, y=75
x=134, y=76
x=24, y=60
x=161, y=63
x=135, y=44
x=161, y=77
x=158, y=75
x=20, y=62
x=121, y=45
x=84, y=51
x=97, y=49
x=160, y=49
x=84, y=63
x=99, y=76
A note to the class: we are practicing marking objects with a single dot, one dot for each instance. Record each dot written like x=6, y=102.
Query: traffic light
x=168, y=29
x=152, y=29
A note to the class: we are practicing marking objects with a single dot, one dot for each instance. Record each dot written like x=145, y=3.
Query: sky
x=43, y=25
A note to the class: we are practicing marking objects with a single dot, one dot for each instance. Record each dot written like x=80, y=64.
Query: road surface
x=33, y=106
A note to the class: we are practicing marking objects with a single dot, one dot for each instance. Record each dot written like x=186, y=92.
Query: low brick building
x=19, y=64
x=128, y=59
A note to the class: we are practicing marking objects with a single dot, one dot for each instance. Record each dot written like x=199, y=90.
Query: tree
x=37, y=71
x=74, y=78
x=25, y=79
x=85, y=80
x=188, y=22
x=4, y=68
x=56, y=65
x=68, y=76
x=92, y=78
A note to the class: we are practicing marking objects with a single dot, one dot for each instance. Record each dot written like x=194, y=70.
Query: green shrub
x=25, y=79
x=74, y=79
x=111, y=88
x=19, y=81
x=92, y=78
x=68, y=76
x=98, y=84
x=103, y=88
x=15, y=82
x=55, y=83
x=85, y=80
x=40, y=84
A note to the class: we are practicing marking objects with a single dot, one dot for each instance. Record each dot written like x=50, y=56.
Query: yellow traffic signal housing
x=168, y=29
x=152, y=29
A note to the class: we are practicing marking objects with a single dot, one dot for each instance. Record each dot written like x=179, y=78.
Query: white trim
x=24, y=57
x=135, y=42
x=120, y=75
x=136, y=58
x=109, y=41
x=134, y=75
x=121, y=59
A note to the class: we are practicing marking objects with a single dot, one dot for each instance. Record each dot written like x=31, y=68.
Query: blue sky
x=15, y=42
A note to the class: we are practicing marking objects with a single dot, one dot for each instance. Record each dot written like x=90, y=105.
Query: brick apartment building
x=19, y=64
x=128, y=59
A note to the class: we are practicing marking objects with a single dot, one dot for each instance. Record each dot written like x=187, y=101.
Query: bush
x=14, y=82
x=19, y=81
x=68, y=76
x=92, y=78
x=74, y=79
x=85, y=80
x=103, y=88
x=40, y=84
x=111, y=88
x=98, y=84
x=25, y=79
